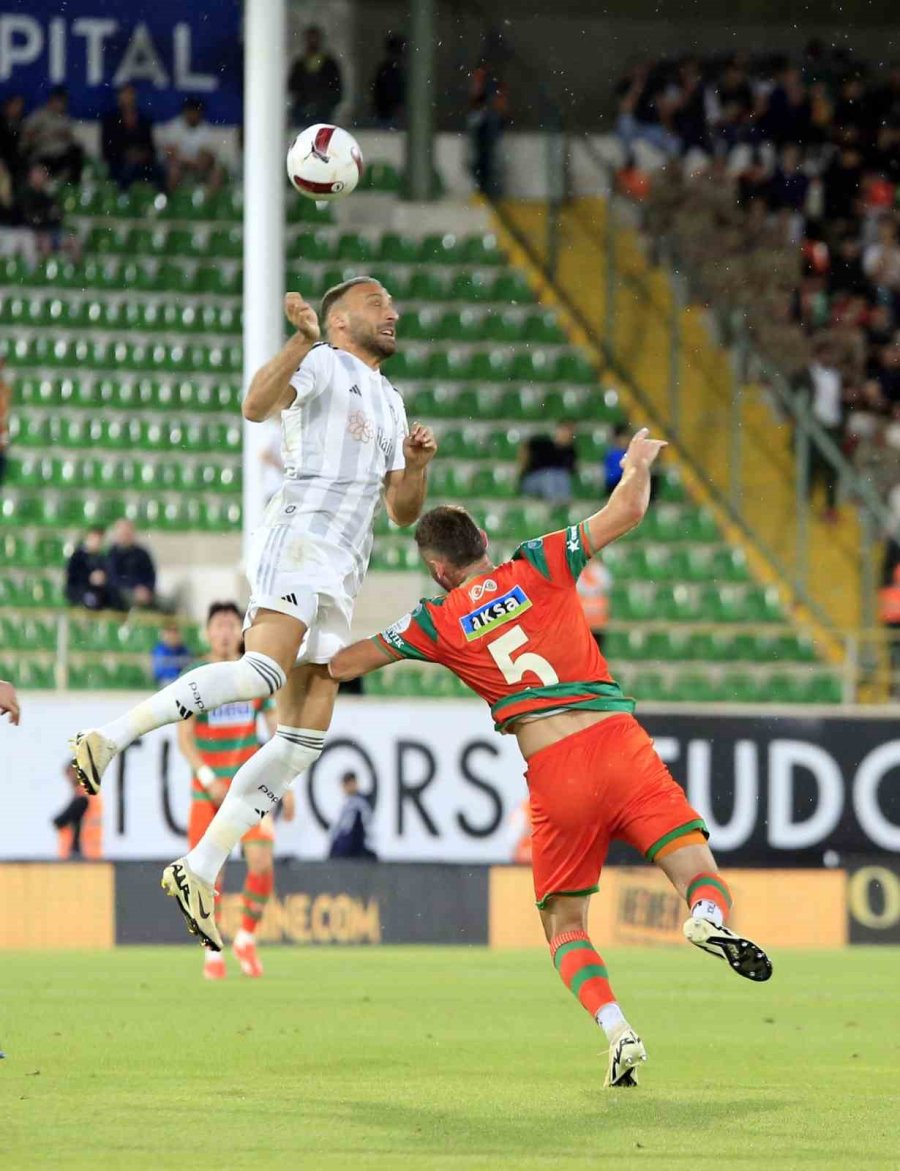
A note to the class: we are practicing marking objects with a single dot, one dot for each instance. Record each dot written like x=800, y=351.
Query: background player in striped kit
x=346, y=447
x=216, y=744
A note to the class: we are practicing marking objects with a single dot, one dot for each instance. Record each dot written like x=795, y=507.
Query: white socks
x=257, y=788
x=707, y=909
x=207, y=687
x=243, y=938
x=611, y=1020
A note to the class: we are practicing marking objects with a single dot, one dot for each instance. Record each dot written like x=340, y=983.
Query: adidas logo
x=184, y=712
x=292, y=598
x=355, y=390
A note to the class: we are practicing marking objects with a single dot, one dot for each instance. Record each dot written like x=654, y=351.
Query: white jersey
x=340, y=437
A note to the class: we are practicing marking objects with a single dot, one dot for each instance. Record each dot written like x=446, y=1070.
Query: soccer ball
x=324, y=162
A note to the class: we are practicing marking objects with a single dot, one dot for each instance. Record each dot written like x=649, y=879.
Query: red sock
x=255, y=895
x=711, y=887
x=581, y=969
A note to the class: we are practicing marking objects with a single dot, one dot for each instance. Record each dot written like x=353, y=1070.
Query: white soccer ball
x=324, y=162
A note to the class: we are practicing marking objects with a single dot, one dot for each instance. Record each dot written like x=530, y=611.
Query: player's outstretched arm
x=360, y=658
x=270, y=391
x=630, y=498
x=404, y=490
x=9, y=701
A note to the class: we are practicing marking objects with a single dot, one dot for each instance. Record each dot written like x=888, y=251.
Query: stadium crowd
x=793, y=169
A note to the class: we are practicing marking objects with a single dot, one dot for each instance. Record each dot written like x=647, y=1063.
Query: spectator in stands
x=132, y=574
x=49, y=138
x=314, y=83
x=9, y=701
x=612, y=461
x=12, y=116
x=389, y=84
x=822, y=383
x=80, y=823
x=547, y=465
x=350, y=832
x=170, y=656
x=41, y=211
x=788, y=116
x=87, y=581
x=594, y=586
x=881, y=262
x=190, y=145
x=5, y=417
x=488, y=100
x=127, y=143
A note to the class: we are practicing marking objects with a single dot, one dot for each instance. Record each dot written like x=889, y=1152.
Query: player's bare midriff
x=535, y=734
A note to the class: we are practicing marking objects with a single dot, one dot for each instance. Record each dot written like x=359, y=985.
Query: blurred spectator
x=190, y=145
x=48, y=138
x=788, y=116
x=488, y=99
x=5, y=416
x=80, y=823
x=9, y=701
x=789, y=185
x=41, y=211
x=350, y=832
x=612, y=461
x=127, y=143
x=171, y=656
x=132, y=574
x=548, y=464
x=889, y=607
x=314, y=83
x=821, y=381
x=12, y=113
x=594, y=586
x=881, y=261
x=87, y=581
x=645, y=114
x=389, y=84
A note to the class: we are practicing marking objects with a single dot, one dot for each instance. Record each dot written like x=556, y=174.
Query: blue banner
x=169, y=49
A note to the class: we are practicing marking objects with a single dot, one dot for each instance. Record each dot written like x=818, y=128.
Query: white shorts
x=295, y=574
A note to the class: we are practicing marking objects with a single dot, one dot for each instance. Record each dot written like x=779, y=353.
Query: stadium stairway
x=644, y=308
x=126, y=374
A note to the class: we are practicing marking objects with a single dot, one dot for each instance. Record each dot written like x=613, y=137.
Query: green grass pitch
x=433, y=1058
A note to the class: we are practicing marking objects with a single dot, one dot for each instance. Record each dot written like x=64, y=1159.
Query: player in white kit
x=346, y=447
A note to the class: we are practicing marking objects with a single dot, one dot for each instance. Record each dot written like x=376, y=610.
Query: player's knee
x=260, y=676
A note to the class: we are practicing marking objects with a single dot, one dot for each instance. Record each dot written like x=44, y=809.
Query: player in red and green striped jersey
x=216, y=744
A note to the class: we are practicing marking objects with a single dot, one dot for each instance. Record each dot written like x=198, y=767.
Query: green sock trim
x=588, y=972
x=250, y=894
x=251, y=914
x=680, y=832
x=708, y=880
x=573, y=945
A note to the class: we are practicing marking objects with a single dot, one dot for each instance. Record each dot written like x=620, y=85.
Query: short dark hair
x=335, y=293
x=194, y=104
x=224, y=608
x=348, y=776
x=451, y=532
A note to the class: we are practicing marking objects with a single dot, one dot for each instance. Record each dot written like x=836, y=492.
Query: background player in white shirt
x=345, y=446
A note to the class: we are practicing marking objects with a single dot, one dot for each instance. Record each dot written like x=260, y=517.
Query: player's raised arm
x=270, y=391
x=404, y=491
x=628, y=502
x=9, y=701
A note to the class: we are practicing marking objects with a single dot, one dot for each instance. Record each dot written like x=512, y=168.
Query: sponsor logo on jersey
x=394, y=633
x=477, y=592
x=360, y=427
x=495, y=613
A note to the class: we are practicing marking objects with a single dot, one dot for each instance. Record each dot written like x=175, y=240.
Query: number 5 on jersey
x=514, y=670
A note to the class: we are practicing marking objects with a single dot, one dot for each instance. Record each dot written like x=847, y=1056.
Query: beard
x=368, y=338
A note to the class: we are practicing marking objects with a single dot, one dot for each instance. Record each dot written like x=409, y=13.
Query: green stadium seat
x=396, y=249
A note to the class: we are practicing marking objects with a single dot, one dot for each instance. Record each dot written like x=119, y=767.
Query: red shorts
x=603, y=783
x=202, y=813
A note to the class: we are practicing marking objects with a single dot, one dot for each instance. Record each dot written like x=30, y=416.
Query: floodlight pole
x=419, y=105
x=265, y=142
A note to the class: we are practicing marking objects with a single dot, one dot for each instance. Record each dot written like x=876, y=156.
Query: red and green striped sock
x=581, y=969
x=708, y=897
x=255, y=895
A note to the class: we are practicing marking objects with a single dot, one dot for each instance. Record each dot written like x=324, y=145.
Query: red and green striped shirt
x=226, y=738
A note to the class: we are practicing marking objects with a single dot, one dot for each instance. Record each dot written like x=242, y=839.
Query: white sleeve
x=400, y=434
x=312, y=375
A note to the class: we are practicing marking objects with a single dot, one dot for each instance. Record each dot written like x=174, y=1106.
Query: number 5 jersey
x=516, y=634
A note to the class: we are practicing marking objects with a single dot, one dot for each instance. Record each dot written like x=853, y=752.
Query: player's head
x=359, y=314
x=171, y=633
x=450, y=543
x=225, y=630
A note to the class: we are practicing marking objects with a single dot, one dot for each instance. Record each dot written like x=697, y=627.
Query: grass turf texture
x=443, y=1058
